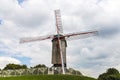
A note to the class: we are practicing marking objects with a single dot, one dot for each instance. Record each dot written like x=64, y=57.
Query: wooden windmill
x=59, y=43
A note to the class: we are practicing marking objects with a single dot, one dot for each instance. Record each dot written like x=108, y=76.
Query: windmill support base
x=57, y=68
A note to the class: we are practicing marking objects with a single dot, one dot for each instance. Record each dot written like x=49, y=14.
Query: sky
x=20, y=1
x=31, y=18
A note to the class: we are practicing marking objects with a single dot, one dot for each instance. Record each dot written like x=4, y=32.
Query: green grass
x=48, y=77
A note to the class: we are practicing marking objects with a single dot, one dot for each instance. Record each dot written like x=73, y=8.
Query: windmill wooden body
x=56, y=59
x=59, y=43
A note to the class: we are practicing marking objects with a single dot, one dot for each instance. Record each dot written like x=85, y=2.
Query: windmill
x=59, y=43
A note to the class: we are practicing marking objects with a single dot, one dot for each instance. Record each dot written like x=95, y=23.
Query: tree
x=40, y=66
x=14, y=66
x=112, y=71
x=110, y=74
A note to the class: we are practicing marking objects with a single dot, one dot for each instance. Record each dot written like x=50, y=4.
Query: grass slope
x=48, y=77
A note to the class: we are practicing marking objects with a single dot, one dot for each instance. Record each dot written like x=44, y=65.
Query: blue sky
x=20, y=1
x=0, y=21
x=31, y=18
x=24, y=60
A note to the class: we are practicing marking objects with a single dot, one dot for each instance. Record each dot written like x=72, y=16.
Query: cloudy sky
x=30, y=18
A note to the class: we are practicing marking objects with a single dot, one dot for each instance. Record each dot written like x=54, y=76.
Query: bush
x=112, y=71
x=111, y=74
x=113, y=77
x=14, y=66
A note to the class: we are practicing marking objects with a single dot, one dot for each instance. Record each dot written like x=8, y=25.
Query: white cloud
x=36, y=18
x=7, y=60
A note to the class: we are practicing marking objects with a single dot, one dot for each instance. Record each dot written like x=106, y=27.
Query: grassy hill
x=48, y=77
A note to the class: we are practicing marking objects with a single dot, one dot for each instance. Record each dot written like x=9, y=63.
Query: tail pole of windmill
x=59, y=43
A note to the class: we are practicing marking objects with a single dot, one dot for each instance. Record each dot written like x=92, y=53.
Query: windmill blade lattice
x=58, y=22
x=31, y=39
x=79, y=35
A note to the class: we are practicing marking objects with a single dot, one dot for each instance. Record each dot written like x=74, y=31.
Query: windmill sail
x=58, y=22
x=31, y=39
x=79, y=35
x=59, y=31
